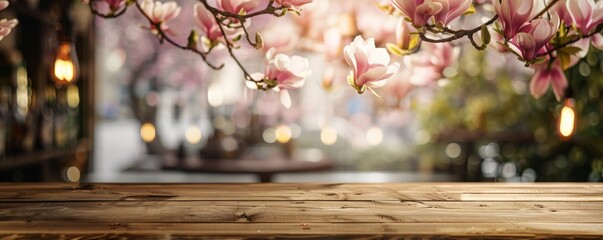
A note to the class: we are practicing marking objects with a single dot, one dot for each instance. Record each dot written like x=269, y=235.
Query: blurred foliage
x=487, y=102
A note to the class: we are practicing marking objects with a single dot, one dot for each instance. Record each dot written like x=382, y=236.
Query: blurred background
x=138, y=111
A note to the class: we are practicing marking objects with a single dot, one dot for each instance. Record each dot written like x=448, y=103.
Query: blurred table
x=264, y=169
x=300, y=210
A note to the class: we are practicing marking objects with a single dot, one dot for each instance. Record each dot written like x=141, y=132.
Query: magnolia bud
x=259, y=41
x=192, y=39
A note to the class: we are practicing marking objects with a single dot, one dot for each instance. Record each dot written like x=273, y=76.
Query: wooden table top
x=164, y=211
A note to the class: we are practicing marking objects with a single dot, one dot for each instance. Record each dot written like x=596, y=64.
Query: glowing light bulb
x=147, y=132
x=283, y=134
x=215, y=95
x=374, y=136
x=65, y=68
x=73, y=174
x=567, y=120
x=193, y=135
x=328, y=136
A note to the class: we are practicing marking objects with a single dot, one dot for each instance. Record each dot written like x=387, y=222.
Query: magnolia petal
x=558, y=82
x=597, y=41
x=369, y=44
x=542, y=31
x=539, y=83
x=270, y=54
x=299, y=65
x=407, y=8
x=157, y=14
x=4, y=23
x=597, y=16
x=285, y=98
x=373, y=74
x=377, y=84
x=527, y=44
x=361, y=63
x=391, y=70
x=3, y=5
x=584, y=45
x=282, y=62
x=348, y=54
x=581, y=12
x=378, y=56
x=147, y=7
x=173, y=14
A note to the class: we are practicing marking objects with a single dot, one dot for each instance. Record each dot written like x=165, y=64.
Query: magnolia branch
x=578, y=38
x=456, y=34
x=164, y=36
x=221, y=17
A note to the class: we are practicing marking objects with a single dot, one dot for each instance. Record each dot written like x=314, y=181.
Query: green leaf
x=570, y=50
x=538, y=60
x=237, y=38
x=470, y=10
x=486, y=37
x=564, y=59
x=282, y=13
x=192, y=39
x=567, y=39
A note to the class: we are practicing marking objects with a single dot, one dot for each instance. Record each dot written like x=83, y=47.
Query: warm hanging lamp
x=64, y=67
x=566, y=124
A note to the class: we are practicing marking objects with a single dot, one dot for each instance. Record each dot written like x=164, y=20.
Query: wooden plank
x=291, y=230
x=291, y=212
x=381, y=192
x=163, y=211
x=406, y=187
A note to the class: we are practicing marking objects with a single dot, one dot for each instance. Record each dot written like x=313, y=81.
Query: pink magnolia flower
x=586, y=14
x=292, y=4
x=451, y=9
x=419, y=11
x=370, y=65
x=206, y=22
x=160, y=13
x=584, y=44
x=534, y=36
x=513, y=14
x=548, y=75
x=287, y=72
x=236, y=6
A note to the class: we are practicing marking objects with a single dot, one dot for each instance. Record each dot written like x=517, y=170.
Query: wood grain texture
x=363, y=211
x=303, y=192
